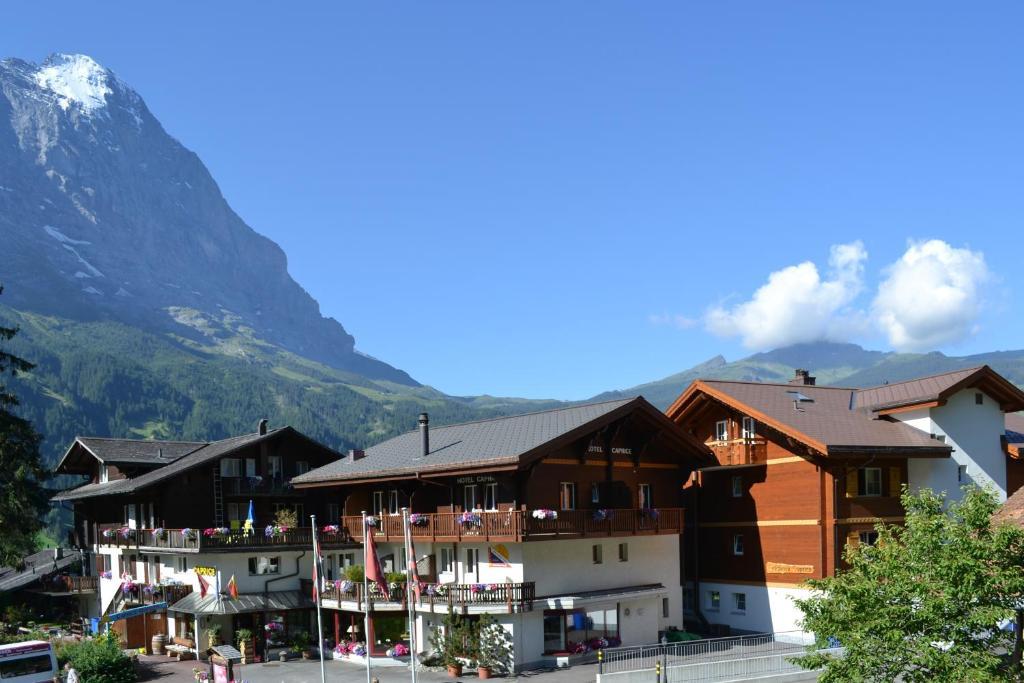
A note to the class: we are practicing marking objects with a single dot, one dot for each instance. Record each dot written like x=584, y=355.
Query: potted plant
x=301, y=642
x=493, y=649
x=213, y=635
x=452, y=643
x=244, y=639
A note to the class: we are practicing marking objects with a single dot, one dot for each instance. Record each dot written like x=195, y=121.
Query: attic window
x=979, y=399
x=799, y=396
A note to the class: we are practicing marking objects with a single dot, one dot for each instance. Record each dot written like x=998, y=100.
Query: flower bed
x=398, y=650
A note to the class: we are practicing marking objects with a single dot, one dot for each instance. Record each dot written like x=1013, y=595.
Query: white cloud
x=680, y=321
x=797, y=305
x=931, y=296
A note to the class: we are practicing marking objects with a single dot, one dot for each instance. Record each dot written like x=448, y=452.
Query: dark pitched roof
x=830, y=421
x=205, y=454
x=113, y=451
x=494, y=442
x=37, y=566
x=1012, y=511
x=939, y=388
x=274, y=601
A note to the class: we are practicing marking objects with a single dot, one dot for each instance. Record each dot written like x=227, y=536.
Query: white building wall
x=769, y=609
x=974, y=432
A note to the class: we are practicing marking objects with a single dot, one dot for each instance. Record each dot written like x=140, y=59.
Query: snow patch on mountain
x=75, y=79
x=61, y=237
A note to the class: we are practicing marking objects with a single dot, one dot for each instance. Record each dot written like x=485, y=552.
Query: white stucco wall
x=974, y=432
x=769, y=609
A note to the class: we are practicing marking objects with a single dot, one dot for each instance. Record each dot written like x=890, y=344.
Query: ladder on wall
x=218, y=499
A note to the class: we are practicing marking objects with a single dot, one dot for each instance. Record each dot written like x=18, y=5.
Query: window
x=229, y=467
x=737, y=544
x=472, y=555
x=568, y=495
x=378, y=503
x=722, y=430
x=562, y=627
x=598, y=554
x=250, y=468
x=595, y=493
x=469, y=497
x=181, y=564
x=26, y=666
x=446, y=560
x=301, y=467
x=264, y=565
x=644, y=497
x=868, y=537
x=333, y=513
x=623, y=552
x=554, y=631
x=346, y=559
x=737, y=487
x=870, y=481
x=714, y=600
x=961, y=473
x=979, y=399
x=664, y=608
x=104, y=474
x=739, y=602
x=749, y=431
x=491, y=497
x=393, y=501
x=274, y=466
x=233, y=512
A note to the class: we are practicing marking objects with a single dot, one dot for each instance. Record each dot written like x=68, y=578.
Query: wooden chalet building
x=802, y=470
x=565, y=525
x=155, y=515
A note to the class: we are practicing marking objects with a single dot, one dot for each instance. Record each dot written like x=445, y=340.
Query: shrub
x=354, y=573
x=100, y=660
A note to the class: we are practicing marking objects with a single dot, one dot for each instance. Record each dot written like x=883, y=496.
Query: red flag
x=412, y=566
x=203, y=586
x=233, y=587
x=372, y=563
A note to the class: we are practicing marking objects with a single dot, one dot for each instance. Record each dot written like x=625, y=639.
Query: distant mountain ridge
x=832, y=363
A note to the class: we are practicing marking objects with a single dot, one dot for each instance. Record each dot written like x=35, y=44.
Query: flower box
x=418, y=519
x=372, y=521
x=331, y=529
x=602, y=515
x=188, y=534
x=470, y=519
x=544, y=513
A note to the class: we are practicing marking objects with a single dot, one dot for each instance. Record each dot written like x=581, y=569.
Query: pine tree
x=22, y=497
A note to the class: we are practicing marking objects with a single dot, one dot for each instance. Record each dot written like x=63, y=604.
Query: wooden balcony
x=198, y=540
x=434, y=597
x=741, y=451
x=523, y=525
x=61, y=584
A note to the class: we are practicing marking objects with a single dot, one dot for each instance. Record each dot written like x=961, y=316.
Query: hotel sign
x=481, y=479
x=615, y=451
x=782, y=568
x=206, y=571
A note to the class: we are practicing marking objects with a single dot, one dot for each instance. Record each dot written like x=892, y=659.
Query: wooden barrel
x=158, y=643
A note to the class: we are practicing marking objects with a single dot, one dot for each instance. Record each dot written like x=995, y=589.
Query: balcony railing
x=143, y=594
x=70, y=584
x=510, y=597
x=257, y=486
x=196, y=540
x=743, y=451
x=522, y=525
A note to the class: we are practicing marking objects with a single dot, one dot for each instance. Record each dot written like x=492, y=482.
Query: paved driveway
x=164, y=670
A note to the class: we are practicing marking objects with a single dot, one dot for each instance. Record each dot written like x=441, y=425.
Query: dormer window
x=749, y=428
x=722, y=430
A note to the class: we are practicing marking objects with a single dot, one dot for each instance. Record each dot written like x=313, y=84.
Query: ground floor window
x=868, y=537
x=566, y=629
x=739, y=602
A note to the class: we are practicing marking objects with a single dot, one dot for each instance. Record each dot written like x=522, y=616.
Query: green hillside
x=111, y=379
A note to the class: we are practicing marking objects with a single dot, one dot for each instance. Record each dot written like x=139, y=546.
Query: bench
x=181, y=649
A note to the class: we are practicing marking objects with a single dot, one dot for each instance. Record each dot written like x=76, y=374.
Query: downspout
x=697, y=488
x=266, y=584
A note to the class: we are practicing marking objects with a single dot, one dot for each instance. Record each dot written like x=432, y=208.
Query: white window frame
x=346, y=560
x=274, y=467
x=570, y=487
x=749, y=428
x=378, y=503
x=714, y=600
x=472, y=560
x=181, y=565
x=270, y=564
x=737, y=544
x=864, y=537
x=737, y=486
x=739, y=602
x=469, y=497
x=722, y=430
x=393, y=506
x=447, y=563
x=867, y=492
x=230, y=468
x=104, y=474
x=491, y=497
x=643, y=497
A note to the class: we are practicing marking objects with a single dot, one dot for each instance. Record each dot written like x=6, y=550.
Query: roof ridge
x=116, y=438
x=517, y=415
x=974, y=368
x=779, y=384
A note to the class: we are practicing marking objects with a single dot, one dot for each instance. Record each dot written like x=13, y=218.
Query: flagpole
x=366, y=597
x=409, y=593
x=317, y=569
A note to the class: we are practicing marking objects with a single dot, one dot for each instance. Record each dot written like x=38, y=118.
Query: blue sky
x=554, y=199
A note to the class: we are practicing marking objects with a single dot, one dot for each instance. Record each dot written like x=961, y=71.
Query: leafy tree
x=22, y=498
x=925, y=602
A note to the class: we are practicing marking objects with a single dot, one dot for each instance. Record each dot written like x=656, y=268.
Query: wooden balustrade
x=61, y=583
x=197, y=539
x=748, y=451
x=514, y=597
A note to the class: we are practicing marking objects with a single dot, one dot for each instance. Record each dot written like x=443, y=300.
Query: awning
x=581, y=598
x=135, y=611
x=274, y=601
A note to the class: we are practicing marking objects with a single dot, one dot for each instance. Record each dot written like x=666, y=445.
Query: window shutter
x=894, y=482
x=851, y=483
x=853, y=539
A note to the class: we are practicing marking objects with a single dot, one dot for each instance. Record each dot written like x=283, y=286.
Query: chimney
x=356, y=454
x=803, y=378
x=425, y=433
x=262, y=427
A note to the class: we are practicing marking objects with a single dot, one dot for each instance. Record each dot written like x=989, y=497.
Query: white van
x=30, y=662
